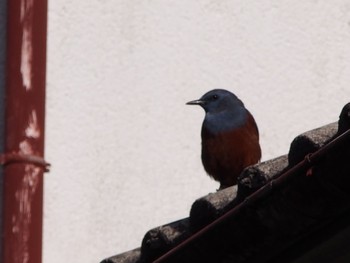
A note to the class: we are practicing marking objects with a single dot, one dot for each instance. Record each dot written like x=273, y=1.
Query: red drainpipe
x=24, y=131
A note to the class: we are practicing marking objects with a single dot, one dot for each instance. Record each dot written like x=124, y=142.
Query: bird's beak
x=196, y=102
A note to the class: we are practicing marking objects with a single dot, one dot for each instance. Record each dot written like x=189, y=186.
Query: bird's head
x=218, y=100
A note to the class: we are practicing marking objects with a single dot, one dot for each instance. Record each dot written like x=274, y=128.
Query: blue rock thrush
x=230, y=136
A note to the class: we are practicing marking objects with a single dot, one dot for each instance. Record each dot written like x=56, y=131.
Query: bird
x=230, y=136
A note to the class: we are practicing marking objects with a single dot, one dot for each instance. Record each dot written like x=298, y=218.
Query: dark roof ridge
x=282, y=212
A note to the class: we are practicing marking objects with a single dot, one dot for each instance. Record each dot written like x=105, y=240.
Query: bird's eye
x=215, y=97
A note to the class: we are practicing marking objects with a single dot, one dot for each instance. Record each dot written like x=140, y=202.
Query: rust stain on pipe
x=24, y=131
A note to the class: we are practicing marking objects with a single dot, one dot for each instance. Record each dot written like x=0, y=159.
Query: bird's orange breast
x=226, y=154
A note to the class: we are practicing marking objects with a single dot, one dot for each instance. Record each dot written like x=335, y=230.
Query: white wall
x=124, y=148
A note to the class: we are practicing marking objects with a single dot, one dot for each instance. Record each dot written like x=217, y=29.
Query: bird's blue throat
x=225, y=121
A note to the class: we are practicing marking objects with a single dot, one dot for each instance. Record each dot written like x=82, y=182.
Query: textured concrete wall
x=124, y=147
